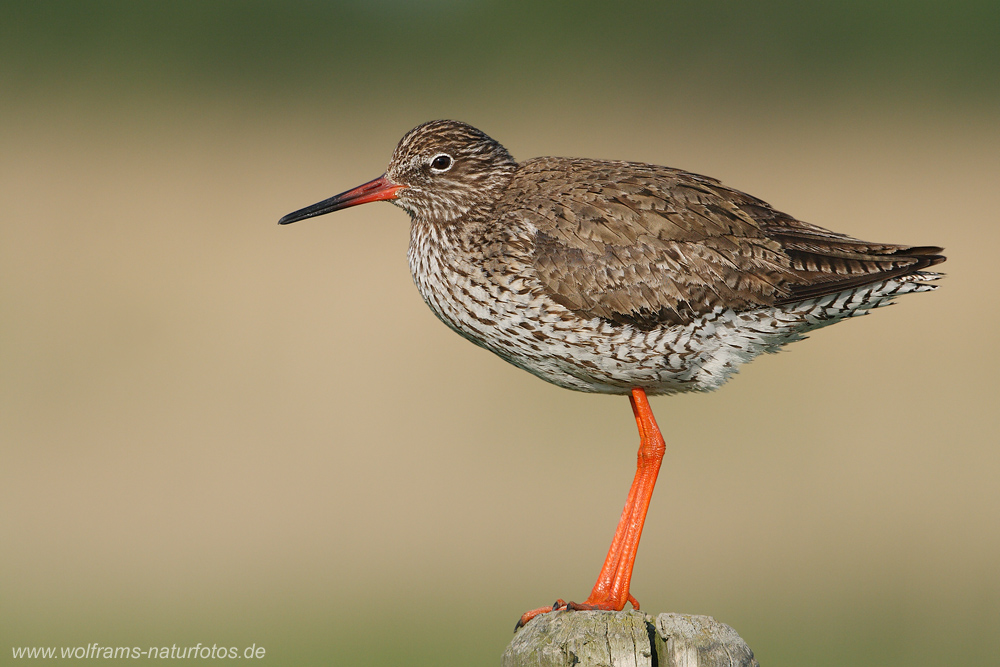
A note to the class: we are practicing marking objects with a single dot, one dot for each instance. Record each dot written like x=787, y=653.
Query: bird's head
x=439, y=172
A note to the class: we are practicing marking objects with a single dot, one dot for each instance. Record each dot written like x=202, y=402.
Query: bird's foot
x=562, y=605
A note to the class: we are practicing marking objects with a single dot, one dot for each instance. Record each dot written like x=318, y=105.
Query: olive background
x=217, y=430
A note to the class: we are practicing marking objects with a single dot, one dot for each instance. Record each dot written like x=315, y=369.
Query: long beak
x=378, y=190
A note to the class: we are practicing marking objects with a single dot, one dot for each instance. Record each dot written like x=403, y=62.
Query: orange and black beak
x=378, y=190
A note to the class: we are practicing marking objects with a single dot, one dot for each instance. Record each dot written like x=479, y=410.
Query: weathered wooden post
x=626, y=639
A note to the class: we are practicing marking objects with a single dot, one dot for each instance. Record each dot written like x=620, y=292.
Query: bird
x=619, y=277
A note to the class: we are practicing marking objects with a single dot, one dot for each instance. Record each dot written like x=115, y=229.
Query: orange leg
x=612, y=588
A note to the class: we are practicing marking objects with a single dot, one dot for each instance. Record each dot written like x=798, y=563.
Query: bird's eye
x=441, y=162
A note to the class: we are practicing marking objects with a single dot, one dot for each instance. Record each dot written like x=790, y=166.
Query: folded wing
x=645, y=245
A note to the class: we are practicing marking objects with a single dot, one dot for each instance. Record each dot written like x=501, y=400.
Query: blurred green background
x=217, y=430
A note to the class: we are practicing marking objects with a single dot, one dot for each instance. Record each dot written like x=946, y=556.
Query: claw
x=558, y=605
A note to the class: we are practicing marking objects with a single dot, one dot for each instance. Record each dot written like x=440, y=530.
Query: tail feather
x=825, y=262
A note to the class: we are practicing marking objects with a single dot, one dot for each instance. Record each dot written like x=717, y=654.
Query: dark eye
x=441, y=162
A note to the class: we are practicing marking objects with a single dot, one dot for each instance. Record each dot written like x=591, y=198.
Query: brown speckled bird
x=619, y=278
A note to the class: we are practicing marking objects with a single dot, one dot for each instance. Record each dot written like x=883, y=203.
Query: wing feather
x=645, y=245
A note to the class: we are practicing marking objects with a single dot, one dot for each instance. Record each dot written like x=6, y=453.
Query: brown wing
x=646, y=245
